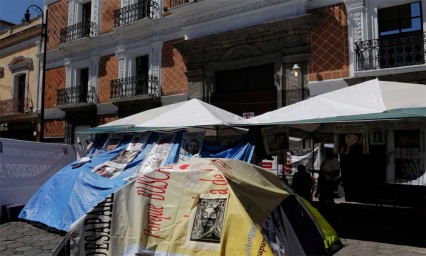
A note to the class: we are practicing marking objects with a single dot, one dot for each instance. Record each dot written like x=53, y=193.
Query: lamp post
x=44, y=37
x=297, y=71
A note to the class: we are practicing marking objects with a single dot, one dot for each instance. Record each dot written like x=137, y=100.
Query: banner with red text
x=199, y=206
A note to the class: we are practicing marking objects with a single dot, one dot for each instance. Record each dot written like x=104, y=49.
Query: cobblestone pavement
x=366, y=248
x=363, y=229
x=21, y=238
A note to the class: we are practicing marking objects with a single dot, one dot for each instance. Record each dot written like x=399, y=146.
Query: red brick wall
x=108, y=70
x=55, y=79
x=330, y=45
x=173, y=70
x=54, y=128
x=107, y=16
x=56, y=20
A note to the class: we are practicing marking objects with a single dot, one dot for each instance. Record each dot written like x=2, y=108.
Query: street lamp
x=44, y=37
x=297, y=71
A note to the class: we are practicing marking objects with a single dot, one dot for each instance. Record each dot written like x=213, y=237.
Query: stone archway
x=280, y=43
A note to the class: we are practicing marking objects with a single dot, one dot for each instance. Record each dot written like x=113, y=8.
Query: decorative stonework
x=248, y=6
x=196, y=90
x=71, y=14
x=96, y=13
x=241, y=51
x=67, y=64
x=94, y=69
x=356, y=18
x=121, y=55
x=155, y=71
x=355, y=10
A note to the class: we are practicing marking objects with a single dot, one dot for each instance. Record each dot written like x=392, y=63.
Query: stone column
x=196, y=84
x=355, y=9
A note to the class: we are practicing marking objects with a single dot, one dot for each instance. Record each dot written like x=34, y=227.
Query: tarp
x=191, y=113
x=199, y=206
x=26, y=165
x=370, y=100
x=202, y=207
x=73, y=191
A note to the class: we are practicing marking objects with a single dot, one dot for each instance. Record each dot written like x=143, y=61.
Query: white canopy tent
x=370, y=100
x=192, y=113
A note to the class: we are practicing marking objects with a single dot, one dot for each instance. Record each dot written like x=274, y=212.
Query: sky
x=14, y=10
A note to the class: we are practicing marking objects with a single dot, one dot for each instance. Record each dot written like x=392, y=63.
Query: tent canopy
x=370, y=100
x=192, y=113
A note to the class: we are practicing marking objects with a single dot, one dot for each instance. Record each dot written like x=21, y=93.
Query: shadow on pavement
x=383, y=224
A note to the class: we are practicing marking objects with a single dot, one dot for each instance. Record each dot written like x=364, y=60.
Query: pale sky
x=14, y=10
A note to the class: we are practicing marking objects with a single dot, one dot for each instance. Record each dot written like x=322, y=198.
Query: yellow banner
x=199, y=206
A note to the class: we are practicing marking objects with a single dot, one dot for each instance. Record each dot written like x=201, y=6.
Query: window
x=82, y=84
x=401, y=41
x=85, y=18
x=400, y=19
x=20, y=92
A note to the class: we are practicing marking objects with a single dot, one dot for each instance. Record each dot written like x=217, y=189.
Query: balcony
x=77, y=31
x=134, y=86
x=14, y=106
x=135, y=12
x=75, y=95
x=390, y=52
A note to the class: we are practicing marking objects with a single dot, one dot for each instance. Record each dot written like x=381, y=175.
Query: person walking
x=327, y=180
x=302, y=183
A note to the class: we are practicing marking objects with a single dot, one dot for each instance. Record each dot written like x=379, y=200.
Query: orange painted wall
x=173, y=70
x=108, y=70
x=55, y=79
x=56, y=20
x=330, y=45
x=107, y=16
x=54, y=128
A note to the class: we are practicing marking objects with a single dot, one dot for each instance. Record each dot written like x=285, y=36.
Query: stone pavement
x=363, y=229
x=21, y=238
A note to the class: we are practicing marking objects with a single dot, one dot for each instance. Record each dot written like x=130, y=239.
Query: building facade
x=110, y=59
x=20, y=76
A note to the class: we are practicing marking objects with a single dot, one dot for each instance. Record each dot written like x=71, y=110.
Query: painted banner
x=199, y=206
x=26, y=165
x=112, y=168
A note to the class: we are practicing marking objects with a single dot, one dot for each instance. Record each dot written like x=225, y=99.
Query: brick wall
x=54, y=128
x=56, y=20
x=108, y=70
x=108, y=7
x=55, y=79
x=330, y=45
x=173, y=70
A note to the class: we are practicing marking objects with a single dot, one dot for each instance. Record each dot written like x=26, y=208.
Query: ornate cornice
x=241, y=8
x=354, y=5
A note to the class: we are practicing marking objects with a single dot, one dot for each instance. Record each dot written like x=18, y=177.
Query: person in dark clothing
x=302, y=183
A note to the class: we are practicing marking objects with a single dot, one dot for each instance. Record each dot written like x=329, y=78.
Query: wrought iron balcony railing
x=75, y=95
x=15, y=105
x=134, y=86
x=135, y=12
x=390, y=52
x=78, y=30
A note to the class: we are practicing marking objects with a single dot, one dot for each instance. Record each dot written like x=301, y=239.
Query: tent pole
x=217, y=134
x=313, y=151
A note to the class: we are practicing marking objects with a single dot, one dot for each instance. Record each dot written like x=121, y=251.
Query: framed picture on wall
x=377, y=137
x=275, y=139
